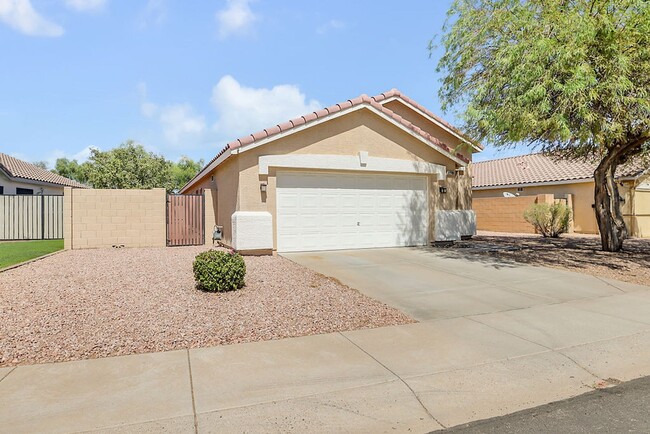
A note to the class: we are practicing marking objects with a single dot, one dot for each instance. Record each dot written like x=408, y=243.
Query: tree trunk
x=608, y=206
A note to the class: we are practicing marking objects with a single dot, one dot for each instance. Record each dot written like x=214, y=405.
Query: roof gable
x=419, y=111
x=315, y=118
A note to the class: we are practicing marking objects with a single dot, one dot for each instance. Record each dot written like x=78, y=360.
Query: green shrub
x=215, y=270
x=549, y=220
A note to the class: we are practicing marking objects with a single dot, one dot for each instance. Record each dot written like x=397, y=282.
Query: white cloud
x=148, y=109
x=153, y=14
x=179, y=121
x=239, y=110
x=21, y=16
x=85, y=5
x=84, y=154
x=329, y=26
x=237, y=17
x=244, y=110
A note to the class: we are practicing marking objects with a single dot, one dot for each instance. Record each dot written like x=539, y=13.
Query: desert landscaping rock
x=580, y=253
x=85, y=304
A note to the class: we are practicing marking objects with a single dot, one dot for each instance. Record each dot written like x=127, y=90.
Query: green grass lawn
x=19, y=251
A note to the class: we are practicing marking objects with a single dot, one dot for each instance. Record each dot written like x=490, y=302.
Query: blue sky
x=184, y=78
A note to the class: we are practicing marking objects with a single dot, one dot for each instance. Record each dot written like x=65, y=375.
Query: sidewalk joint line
x=398, y=377
x=610, y=284
x=7, y=374
x=542, y=345
x=510, y=333
x=580, y=366
x=196, y=419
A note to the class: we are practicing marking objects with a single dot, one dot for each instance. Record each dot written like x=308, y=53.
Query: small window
x=520, y=188
x=24, y=191
x=2, y=190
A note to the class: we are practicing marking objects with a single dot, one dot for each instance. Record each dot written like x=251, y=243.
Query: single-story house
x=572, y=181
x=21, y=177
x=376, y=171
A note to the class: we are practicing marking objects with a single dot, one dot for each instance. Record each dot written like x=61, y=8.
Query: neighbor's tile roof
x=538, y=168
x=16, y=168
x=374, y=101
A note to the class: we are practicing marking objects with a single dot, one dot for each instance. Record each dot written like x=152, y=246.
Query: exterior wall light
x=263, y=187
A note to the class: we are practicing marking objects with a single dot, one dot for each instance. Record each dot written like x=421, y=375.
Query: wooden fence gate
x=27, y=217
x=185, y=220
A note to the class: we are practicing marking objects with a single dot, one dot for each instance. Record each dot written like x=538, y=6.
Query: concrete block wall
x=506, y=214
x=104, y=218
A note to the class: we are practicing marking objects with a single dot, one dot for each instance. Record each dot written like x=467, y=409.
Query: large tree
x=129, y=166
x=184, y=170
x=569, y=77
x=72, y=169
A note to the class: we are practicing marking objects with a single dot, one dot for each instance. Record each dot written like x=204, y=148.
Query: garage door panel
x=317, y=211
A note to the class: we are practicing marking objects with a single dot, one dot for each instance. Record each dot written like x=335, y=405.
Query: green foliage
x=571, y=77
x=184, y=171
x=41, y=164
x=129, y=166
x=549, y=220
x=71, y=169
x=219, y=271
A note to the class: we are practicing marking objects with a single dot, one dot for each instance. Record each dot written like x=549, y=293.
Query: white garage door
x=319, y=211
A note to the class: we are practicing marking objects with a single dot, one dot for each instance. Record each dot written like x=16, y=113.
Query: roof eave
x=476, y=146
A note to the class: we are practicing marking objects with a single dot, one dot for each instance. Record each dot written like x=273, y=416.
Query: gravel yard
x=97, y=303
x=574, y=252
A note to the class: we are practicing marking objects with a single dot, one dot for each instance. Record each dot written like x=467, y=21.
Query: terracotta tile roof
x=538, y=168
x=363, y=99
x=396, y=93
x=16, y=168
x=374, y=102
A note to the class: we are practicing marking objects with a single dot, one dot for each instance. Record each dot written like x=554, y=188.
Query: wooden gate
x=27, y=217
x=185, y=220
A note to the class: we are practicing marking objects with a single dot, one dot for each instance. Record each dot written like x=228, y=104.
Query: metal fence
x=26, y=217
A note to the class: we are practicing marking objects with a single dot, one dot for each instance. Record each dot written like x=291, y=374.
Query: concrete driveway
x=431, y=284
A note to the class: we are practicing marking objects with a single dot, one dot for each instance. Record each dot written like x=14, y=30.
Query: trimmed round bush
x=217, y=271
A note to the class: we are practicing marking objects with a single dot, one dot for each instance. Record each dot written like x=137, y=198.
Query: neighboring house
x=537, y=174
x=368, y=172
x=20, y=177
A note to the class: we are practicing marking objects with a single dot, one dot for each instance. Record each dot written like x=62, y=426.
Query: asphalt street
x=618, y=409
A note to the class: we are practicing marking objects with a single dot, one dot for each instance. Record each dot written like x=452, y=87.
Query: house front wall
x=238, y=179
x=9, y=186
x=639, y=219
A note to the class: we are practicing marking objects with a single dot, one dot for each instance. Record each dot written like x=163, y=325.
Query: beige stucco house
x=377, y=171
x=21, y=177
x=572, y=181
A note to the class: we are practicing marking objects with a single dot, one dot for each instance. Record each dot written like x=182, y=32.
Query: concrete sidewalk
x=417, y=377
